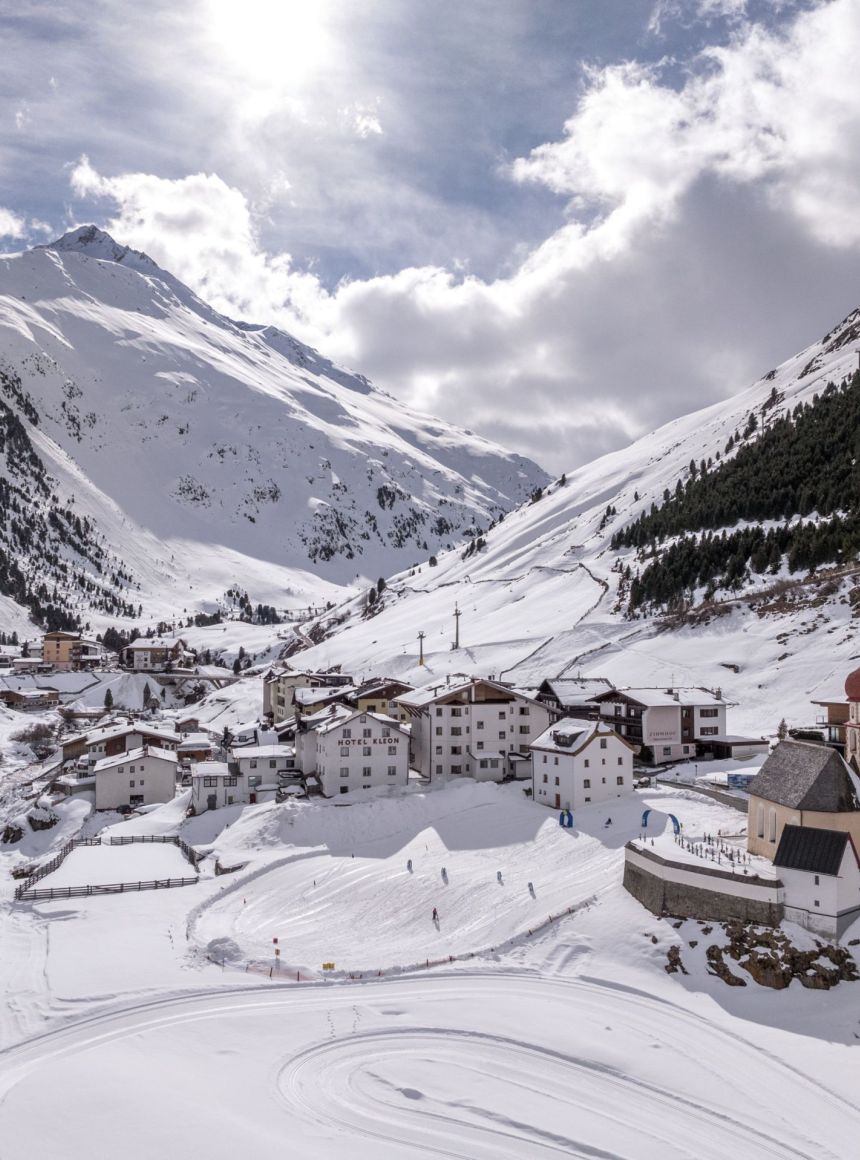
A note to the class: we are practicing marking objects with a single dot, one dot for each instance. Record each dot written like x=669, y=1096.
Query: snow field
x=477, y=1067
x=102, y=865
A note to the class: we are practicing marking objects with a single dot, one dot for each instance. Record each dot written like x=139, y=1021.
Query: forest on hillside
x=799, y=468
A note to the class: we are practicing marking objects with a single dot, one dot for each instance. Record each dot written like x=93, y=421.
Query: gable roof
x=806, y=776
x=570, y=735
x=439, y=691
x=806, y=848
x=656, y=698
x=575, y=691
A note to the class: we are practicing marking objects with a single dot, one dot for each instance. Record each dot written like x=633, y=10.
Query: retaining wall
x=689, y=891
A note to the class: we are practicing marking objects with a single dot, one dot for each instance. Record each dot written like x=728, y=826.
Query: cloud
x=11, y=225
x=709, y=220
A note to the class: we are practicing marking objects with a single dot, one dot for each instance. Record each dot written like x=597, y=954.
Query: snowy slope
x=205, y=451
x=541, y=599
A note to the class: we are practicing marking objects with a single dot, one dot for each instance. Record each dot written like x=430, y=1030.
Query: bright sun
x=271, y=43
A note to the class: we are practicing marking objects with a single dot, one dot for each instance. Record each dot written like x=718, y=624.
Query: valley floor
x=571, y=1040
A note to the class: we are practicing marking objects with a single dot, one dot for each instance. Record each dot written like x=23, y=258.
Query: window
x=365, y=771
x=438, y=730
x=362, y=718
x=347, y=733
x=455, y=712
x=272, y=764
x=709, y=730
x=438, y=769
x=479, y=725
x=253, y=763
x=366, y=732
x=344, y=771
x=456, y=731
x=501, y=714
x=458, y=749
x=588, y=799
x=344, y=789
x=227, y=781
x=386, y=732
x=365, y=785
x=524, y=729
x=371, y=708
x=545, y=778
x=603, y=761
x=392, y=750
x=619, y=781
x=501, y=735
x=131, y=769
x=438, y=750
x=344, y=751
x=543, y=759
x=210, y=782
x=555, y=761
x=131, y=783
x=602, y=742
x=603, y=781
x=524, y=710
x=494, y=763
x=620, y=760
x=479, y=745
x=392, y=771
x=816, y=880
x=586, y=784
x=771, y=825
x=556, y=781
x=667, y=750
x=760, y=825
x=586, y=763
x=709, y=712
x=456, y=769
x=438, y=712
x=365, y=752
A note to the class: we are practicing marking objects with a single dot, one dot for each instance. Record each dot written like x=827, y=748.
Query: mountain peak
x=96, y=243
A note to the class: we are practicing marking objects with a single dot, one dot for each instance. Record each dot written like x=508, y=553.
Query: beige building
x=378, y=697
x=802, y=784
x=69, y=650
x=852, y=725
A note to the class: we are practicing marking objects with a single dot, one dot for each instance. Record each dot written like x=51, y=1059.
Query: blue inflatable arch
x=676, y=825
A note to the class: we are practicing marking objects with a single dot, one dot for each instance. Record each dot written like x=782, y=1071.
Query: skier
x=435, y=914
x=608, y=822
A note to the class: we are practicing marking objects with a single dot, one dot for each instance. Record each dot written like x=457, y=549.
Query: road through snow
x=469, y=1067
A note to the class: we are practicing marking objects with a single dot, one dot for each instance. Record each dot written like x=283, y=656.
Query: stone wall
x=685, y=890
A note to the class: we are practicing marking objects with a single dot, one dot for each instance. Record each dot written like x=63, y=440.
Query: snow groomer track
x=471, y=1066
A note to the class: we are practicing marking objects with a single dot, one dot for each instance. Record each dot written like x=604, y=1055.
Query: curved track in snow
x=470, y=1067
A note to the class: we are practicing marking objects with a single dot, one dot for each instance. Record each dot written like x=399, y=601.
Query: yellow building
x=802, y=784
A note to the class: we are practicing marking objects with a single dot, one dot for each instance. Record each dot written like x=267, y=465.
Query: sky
x=556, y=222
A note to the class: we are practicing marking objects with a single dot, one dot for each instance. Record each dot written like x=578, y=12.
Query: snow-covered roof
x=439, y=691
x=327, y=726
x=195, y=741
x=264, y=751
x=576, y=690
x=135, y=755
x=570, y=735
x=142, y=642
x=656, y=698
x=212, y=769
x=316, y=696
x=130, y=727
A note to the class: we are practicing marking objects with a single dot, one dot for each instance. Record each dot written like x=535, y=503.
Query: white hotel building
x=473, y=728
x=351, y=751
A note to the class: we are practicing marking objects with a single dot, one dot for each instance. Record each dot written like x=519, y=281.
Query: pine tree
x=108, y=699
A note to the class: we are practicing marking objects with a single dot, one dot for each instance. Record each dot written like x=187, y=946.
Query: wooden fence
x=26, y=893
x=47, y=893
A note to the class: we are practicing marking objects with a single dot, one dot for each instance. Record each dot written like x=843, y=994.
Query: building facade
x=139, y=777
x=474, y=728
x=356, y=751
x=820, y=871
x=156, y=654
x=672, y=724
x=575, y=764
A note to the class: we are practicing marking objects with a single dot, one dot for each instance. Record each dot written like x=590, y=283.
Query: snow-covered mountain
x=158, y=452
x=546, y=593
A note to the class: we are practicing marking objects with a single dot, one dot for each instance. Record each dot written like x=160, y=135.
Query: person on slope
x=435, y=914
x=608, y=822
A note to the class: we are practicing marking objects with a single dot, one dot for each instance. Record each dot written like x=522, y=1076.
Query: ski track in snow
x=418, y=1069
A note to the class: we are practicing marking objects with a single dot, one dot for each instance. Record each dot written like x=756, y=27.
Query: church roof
x=805, y=776
x=816, y=851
